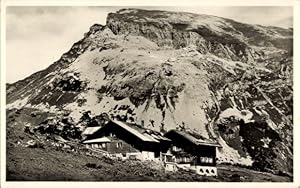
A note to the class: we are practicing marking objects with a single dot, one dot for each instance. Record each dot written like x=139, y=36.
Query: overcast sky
x=38, y=36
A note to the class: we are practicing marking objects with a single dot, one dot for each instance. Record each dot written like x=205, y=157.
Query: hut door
x=156, y=154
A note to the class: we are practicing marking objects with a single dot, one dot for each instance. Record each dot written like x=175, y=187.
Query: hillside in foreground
x=52, y=163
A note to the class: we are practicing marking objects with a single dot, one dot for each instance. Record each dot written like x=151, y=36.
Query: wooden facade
x=113, y=146
x=130, y=138
x=193, y=152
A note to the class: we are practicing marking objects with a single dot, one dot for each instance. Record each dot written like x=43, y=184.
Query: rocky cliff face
x=222, y=37
x=223, y=79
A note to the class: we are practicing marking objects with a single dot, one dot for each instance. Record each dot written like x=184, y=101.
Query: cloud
x=24, y=22
x=269, y=16
x=262, y=15
x=38, y=36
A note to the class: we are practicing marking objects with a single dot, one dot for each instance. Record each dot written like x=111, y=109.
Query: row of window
x=119, y=144
x=100, y=146
x=184, y=159
x=206, y=160
x=168, y=158
x=103, y=145
x=187, y=159
x=175, y=148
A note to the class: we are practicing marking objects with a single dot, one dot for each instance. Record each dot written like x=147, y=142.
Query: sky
x=37, y=36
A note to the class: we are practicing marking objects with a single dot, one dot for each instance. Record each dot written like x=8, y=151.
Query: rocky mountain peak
x=222, y=37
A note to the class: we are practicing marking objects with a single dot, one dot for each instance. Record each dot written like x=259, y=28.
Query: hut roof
x=154, y=135
x=139, y=131
x=97, y=140
x=195, y=138
x=135, y=131
x=90, y=130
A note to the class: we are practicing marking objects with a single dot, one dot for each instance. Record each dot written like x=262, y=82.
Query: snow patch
x=18, y=103
x=245, y=115
x=43, y=107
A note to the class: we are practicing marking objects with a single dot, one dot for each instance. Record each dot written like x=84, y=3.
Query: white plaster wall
x=171, y=167
x=205, y=170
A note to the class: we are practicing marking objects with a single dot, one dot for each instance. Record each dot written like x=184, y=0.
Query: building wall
x=207, y=155
x=205, y=170
x=132, y=140
x=148, y=155
x=102, y=146
x=197, y=154
x=120, y=146
x=115, y=146
x=171, y=167
x=143, y=156
x=184, y=166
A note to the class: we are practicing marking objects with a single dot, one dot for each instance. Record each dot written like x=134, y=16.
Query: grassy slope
x=49, y=163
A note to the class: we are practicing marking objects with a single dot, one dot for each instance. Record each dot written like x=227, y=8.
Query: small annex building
x=191, y=150
x=126, y=140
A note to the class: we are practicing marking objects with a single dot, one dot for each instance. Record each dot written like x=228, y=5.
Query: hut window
x=206, y=160
x=176, y=148
x=168, y=158
x=103, y=145
x=185, y=159
x=202, y=159
x=119, y=144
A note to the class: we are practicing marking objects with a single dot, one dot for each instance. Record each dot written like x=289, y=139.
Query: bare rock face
x=222, y=79
x=222, y=37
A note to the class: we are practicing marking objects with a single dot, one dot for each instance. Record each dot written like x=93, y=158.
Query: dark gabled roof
x=97, y=140
x=194, y=138
x=135, y=131
x=139, y=131
x=148, y=132
x=90, y=130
